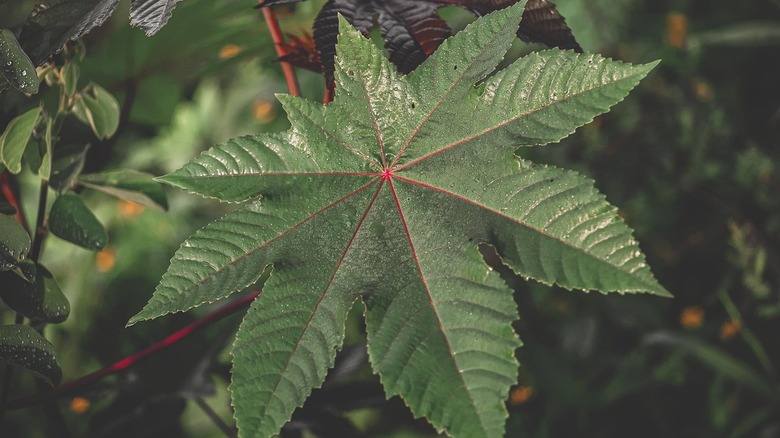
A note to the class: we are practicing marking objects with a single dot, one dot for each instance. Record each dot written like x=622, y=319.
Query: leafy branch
x=128, y=361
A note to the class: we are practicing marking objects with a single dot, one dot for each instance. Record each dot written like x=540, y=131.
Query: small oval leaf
x=41, y=299
x=14, y=242
x=70, y=77
x=15, y=65
x=22, y=346
x=44, y=168
x=71, y=220
x=67, y=165
x=129, y=185
x=100, y=110
x=15, y=138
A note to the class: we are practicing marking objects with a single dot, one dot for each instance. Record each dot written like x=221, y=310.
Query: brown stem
x=278, y=38
x=40, y=229
x=136, y=357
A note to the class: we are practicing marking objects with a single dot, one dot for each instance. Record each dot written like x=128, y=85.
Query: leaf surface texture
x=380, y=200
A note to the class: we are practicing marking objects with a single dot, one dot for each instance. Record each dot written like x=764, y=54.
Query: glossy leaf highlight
x=14, y=242
x=38, y=298
x=22, y=346
x=71, y=220
x=15, y=67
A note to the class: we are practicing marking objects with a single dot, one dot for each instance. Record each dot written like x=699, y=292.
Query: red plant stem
x=10, y=196
x=328, y=96
x=136, y=357
x=278, y=38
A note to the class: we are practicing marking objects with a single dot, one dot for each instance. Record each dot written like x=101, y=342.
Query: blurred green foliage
x=691, y=157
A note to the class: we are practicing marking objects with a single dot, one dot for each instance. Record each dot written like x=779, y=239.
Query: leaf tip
x=146, y=314
x=133, y=321
x=143, y=315
x=645, y=69
x=167, y=179
x=284, y=98
x=347, y=32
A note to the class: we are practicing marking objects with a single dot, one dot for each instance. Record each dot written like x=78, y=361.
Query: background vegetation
x=691, y=158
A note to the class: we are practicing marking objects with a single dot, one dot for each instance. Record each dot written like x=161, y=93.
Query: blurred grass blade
x=716, y=359
x=24, y=347
x=749, y=34
x=129, y=185
x=71, y=220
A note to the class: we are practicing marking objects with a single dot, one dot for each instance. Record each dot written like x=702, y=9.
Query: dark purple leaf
x=413, y=29
x=55, y=22
x=151, y=15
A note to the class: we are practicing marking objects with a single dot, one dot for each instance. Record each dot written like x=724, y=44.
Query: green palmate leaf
x=13, y=140
x=71, y=220
x=14, y=242
x=383, y=197
x=22, y=346
x=37, y=296
x=129, y=185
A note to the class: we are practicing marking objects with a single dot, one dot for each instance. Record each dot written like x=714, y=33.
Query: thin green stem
x=227, y=430
x=134, y=358
x=747, y=334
